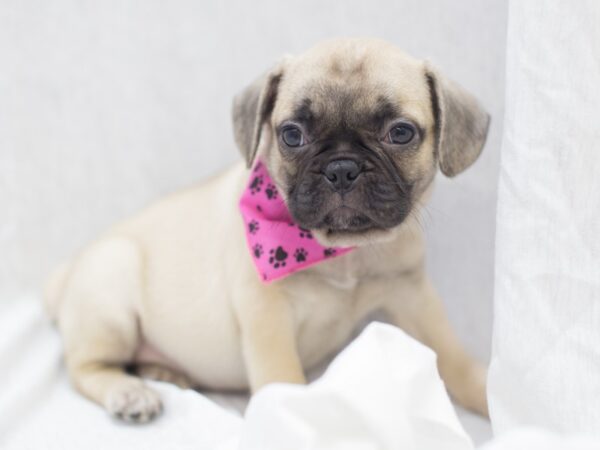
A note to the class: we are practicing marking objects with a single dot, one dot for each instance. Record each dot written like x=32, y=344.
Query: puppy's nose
x=342, y=174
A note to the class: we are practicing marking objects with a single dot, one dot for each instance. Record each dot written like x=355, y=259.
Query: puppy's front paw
x=134, y=403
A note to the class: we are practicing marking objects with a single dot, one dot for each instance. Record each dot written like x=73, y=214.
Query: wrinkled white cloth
x=39, y=409
x=545, y=368
x=537, y=439
x=381, y=392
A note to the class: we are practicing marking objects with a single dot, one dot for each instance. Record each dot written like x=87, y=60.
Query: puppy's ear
x=251, y=109
x=461, y=124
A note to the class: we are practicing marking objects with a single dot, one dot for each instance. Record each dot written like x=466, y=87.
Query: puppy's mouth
x=346, y=220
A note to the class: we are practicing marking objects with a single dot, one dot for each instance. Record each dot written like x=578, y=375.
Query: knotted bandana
x=278, y=246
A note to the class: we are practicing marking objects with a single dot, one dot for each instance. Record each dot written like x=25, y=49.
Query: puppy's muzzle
x=341, y=174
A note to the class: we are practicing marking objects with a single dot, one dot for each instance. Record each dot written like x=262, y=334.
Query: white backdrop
x=106, y=105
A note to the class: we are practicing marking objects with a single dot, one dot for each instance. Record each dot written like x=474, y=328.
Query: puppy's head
x=353, y=131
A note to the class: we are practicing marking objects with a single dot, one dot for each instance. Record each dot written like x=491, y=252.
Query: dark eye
x=292, y=136
x=401, y=134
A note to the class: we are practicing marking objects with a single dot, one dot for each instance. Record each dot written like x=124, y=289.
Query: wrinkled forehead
x=353, y=88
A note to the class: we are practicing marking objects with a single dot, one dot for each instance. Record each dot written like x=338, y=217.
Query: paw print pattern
x=271, y=191
x=300, y=254
x=256, y=184
x=257, y=250
x=278, y=257
x=257, y=167
x=253, y=226
x=328, y=252
x=304, y=233
x=259, y=208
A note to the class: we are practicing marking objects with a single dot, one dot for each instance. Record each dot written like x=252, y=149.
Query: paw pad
x=328, y=252
x=271, y=191
x=304, y=233
x=257, y=250
x=256, y=184
x=300, y=255
x=253, y=226
x=278, y=257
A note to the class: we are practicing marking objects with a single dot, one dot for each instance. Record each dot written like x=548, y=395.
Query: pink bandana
x=278, y=246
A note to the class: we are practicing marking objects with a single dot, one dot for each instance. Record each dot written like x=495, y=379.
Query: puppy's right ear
x=251, y=109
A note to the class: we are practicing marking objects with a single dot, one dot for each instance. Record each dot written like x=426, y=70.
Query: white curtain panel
x=545, y=368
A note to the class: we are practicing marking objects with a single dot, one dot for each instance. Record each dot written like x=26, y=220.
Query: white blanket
x=382, y=392
x=40, y=410
x=538, y=439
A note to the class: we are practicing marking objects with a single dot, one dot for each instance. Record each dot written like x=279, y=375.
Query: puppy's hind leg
x=158, y=372
x=99, y=324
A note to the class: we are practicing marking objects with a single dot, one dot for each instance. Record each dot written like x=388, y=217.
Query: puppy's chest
x=329, y=299
x=324, y=317
x=326, y=306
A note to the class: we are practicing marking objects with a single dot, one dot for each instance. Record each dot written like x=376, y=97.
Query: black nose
x=342, y=174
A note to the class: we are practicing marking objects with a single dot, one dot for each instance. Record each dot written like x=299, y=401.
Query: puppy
x=352, y=133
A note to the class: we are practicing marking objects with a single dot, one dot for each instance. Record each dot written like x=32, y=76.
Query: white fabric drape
x=545, y=368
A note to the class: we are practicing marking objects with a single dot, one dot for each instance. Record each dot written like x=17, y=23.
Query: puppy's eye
x=292, y=136
x=401, y=134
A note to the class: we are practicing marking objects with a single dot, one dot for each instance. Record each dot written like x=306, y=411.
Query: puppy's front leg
x=268, y=337
x=417, y=309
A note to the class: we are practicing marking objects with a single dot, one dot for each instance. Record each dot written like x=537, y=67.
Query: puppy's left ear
x=461, y=124
x=251, y=109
